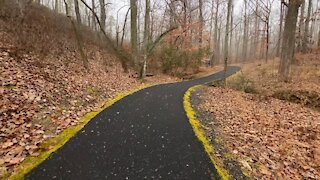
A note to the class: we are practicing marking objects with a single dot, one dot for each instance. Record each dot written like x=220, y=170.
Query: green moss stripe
x=198, y=130
x=53, y=144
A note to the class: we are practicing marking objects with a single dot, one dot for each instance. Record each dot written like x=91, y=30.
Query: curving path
x=145, y=135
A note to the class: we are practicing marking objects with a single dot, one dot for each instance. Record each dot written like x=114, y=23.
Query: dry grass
x=305, y=75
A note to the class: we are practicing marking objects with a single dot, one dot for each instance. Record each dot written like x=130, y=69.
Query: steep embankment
x=44, y=87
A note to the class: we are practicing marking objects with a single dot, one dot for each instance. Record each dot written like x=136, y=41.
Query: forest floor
x=271, y=128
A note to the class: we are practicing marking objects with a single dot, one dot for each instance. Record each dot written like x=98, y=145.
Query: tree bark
x=215, y=55
x=103, y=14
x=201, y=23
x=231, y=33
x=78, y=37
x=300, y=27
x=94, y=23
x=280, y=29
x=146, y=37
x=226, y=43
x=124, y=27
x=245, y=33
x=56, y=6
x=305, y=40
x=77, y=10
x=134, y=31
x=288, y=45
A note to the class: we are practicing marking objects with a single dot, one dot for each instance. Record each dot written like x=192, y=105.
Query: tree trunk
x=211, y=26
x=280, y=30
x=300, y=27
x=231, y=33
x=146, y=38
x=77, y=10
x=134, y=31
x=201, y=23
x=124, y=27
x=103, y=14
x=215, y=55
x=78, y=37
x=288, y=45
x=245, y=33
x=56, y=6
x=305, y=40
x=226, y=42
x=94, y=27
x=267, y=40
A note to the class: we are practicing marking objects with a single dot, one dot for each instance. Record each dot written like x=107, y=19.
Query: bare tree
x=226, y=42
x=78, y=35
x=134, y=31
x=56, y=6
x=288, y=46
x=306, y=29
x=201, y=22
x=93, y=4
x=300, y=27
x=264, y=15
x=103, y=14
x=216, y=40
x=245, y=32
x=282, y=12
x=77, y=10
x=146, y=38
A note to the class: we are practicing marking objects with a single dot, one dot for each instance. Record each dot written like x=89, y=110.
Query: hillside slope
x=44, y=87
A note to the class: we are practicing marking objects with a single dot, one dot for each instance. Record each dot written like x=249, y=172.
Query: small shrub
x=241, y=83
x=306, y=98
x=177, y=62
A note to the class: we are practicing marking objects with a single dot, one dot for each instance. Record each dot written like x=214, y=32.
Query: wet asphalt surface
x=145, y=135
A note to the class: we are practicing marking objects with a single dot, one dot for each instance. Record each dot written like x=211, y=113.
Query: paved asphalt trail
x=145, y=135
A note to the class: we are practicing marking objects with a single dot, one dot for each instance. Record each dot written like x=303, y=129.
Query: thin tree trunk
x=77, y=10
x=300, y=27
x=78, y=38
x=267, y=39
x=231, y=33
x=124, y=27
x=280, y=30
x=146, y=39
x=134, y=31
x=94, y=27
x=103, y=14
x=201, y=21
x=56, y=6
x=305, y=41
x=215, y=56
x=288, y=46
x=211, y=26
x=226, y=42
x=245, y=33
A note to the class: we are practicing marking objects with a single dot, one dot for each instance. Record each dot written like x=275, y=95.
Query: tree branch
x=154, y=44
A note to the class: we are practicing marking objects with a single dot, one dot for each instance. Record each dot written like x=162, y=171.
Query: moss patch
x=198, y=129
